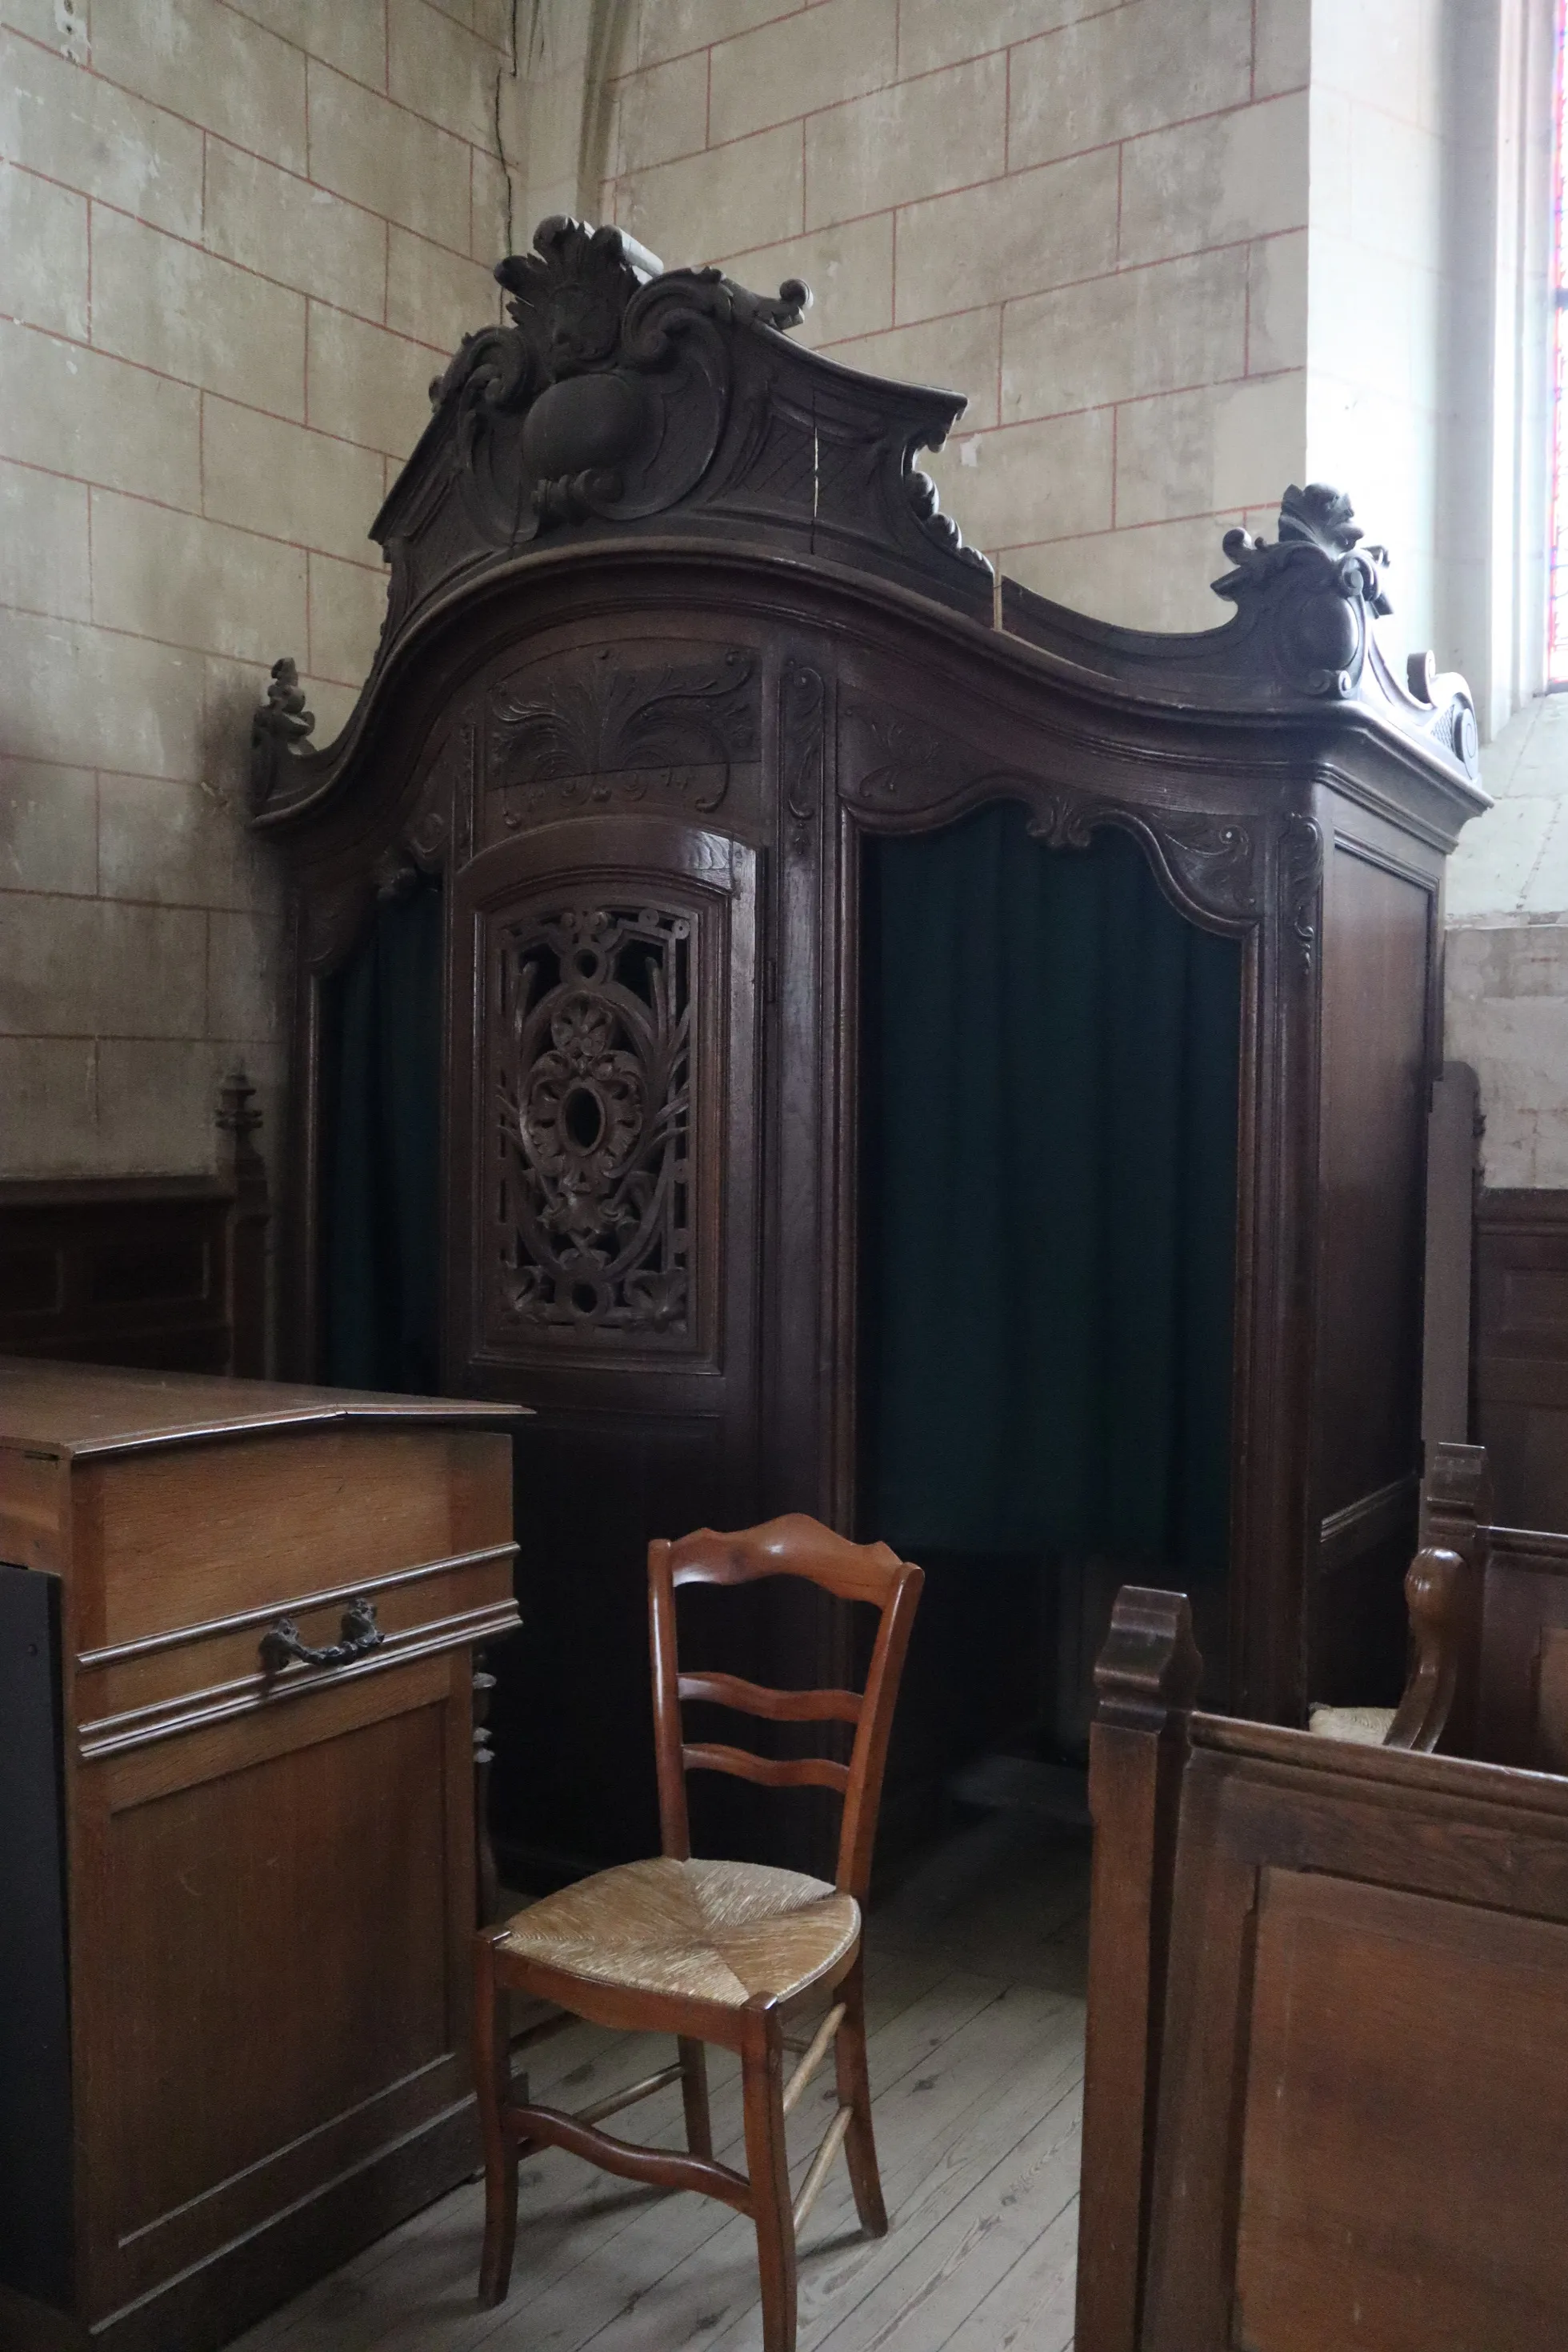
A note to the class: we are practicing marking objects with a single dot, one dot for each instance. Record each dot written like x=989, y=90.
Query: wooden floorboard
x=974, y=2000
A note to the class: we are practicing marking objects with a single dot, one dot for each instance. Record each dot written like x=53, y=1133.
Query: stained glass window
x=1557, y=620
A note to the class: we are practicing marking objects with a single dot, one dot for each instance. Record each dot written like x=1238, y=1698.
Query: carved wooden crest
x=1316, y=586
x=1305, y=603
x=625, y=393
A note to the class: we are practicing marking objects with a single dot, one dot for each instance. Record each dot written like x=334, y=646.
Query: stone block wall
x=1507, y=951
x=1089, y=216
x=235, y=243
x=1378, y=297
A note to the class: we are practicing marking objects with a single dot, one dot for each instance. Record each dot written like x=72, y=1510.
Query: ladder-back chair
x=727, y=1952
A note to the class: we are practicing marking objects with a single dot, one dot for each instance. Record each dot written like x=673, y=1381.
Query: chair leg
x=694, y=2092
x=492, y=2085
x=854, y=2093
x=767, y=2163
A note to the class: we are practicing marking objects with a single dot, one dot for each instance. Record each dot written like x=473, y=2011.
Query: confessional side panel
x=1380, y=1045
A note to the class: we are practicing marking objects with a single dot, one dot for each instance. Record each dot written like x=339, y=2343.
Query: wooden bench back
x=1505, y=1624
x=1327, y=2090
x=792, y=1546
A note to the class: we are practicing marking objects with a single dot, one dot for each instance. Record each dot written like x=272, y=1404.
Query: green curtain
x=1050, y=1201
x=382, y=1023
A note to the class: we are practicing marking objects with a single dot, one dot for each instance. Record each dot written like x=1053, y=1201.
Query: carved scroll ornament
x=1316, y=585
x=1300, y=885
x=594, y=1108
x=1210, y=864
x=280, y=728
x=581, y=734
x=617, y=371
x=803, y=702
x=622, y=392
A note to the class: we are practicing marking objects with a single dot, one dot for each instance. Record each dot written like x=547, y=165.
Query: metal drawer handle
x=281, y=1641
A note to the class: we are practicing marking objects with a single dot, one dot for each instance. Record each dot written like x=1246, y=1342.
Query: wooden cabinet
x=240, y=1882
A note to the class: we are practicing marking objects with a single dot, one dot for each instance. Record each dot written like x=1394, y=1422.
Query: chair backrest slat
x=778, y=1706
x=792, y=1546
x=772, y=1771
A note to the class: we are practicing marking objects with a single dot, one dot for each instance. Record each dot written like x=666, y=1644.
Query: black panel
x=34, y=2025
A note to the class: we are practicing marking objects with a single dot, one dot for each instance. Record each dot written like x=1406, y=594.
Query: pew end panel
x=1345, y=2122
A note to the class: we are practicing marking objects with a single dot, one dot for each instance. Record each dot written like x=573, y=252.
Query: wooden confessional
x=680, y=659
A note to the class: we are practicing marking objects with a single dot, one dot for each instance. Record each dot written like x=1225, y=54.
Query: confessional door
x=603, y=1203
x=1048, y=1107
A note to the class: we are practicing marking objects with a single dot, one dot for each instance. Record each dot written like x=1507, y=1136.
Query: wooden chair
x=727, y=1952
x=1326, y=2093
x=1489, y=1622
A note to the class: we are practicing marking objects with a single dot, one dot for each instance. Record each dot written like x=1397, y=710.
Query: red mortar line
x=310, y=57
x=382, y=220
x=1098, y=407
x=878, y=90
x=209, y=253
x=144, y=367
x=124, y=1037
x=114, y=898
x=652, y=65
x=971, y=58
x=168, y=645
x=970, y=187
x=1039, y=293
x=190, y=121
x=1006, y=112
x=1010, y=171
x=200, y=514
x=1126, y=530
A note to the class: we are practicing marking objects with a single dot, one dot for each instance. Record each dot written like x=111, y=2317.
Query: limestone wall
x=1089, y=219
x=235, y=242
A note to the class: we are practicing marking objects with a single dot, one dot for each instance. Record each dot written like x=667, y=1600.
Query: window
x=1557, y=608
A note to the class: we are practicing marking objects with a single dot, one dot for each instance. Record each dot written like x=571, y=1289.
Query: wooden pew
x=1488, y=1618
x=1327, y=2085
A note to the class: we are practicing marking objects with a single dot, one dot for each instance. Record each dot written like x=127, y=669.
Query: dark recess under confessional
x=711, y=705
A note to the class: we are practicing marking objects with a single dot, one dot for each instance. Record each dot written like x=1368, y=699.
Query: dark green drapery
x=1050, y=1201
x=381, y=1041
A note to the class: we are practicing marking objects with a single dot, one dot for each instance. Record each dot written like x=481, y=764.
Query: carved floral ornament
x=593, y=1112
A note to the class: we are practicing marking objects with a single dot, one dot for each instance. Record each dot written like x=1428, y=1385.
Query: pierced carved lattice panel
x=594, y=1105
